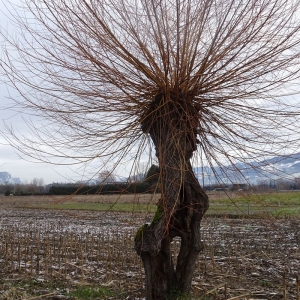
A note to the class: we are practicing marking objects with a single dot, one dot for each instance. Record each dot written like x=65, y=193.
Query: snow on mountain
x=5, y=178
x=285, y=167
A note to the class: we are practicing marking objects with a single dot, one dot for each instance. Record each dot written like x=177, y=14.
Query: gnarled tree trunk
x=183, y=202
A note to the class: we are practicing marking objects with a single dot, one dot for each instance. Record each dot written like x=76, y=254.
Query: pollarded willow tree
x=210, y=78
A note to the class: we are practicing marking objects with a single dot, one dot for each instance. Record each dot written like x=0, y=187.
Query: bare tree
x=106, y=176
x=35, y=186
x=213, y=79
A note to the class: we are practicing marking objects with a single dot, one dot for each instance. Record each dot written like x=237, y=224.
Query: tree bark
x=181, y=207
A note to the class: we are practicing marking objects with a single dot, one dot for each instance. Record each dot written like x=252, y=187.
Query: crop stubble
x=239, y=256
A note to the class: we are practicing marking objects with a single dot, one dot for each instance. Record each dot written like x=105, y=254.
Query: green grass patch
x=30, y=289
x=90, y=293
x=275, y=198
x=277, y=204
x=286, y=212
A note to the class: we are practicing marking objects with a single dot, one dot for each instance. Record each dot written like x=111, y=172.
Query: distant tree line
x=279, y=184
x=149, y=183
x=35, y=187
x=104, y=189
x=261, y=185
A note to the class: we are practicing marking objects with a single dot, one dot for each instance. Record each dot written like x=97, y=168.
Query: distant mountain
x=285, y=167
x=5, y=178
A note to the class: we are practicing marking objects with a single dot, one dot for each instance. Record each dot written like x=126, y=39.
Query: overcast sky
x=10, y=160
